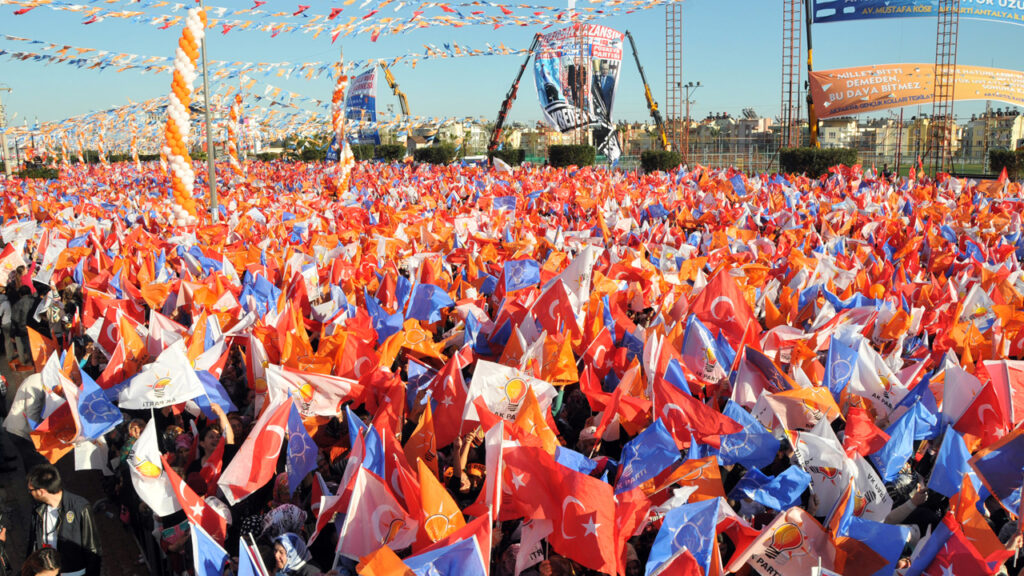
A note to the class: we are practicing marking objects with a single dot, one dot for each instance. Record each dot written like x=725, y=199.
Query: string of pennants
x=382, y=19
x=95, y=59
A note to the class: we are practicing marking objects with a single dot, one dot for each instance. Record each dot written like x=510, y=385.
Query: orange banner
x=863, y=89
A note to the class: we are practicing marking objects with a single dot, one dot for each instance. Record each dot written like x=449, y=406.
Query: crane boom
x=506, y=104
x=652, y=106
x=403, y=103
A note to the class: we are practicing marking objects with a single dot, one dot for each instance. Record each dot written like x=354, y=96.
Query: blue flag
x=248, y=564
x=302, y=451
x=929, y=549
x=521, y=274
x=462, y=558
x=210, y=557
x=383, y=323
x=646, y=456
x=885, y=539
x=1000, y=465
x=690, y=526
x=96, y=413
x=426, y=303
x=923, y=421
x=897, y=450
x=373, y=460
x=783, y=491
x=475, y=337
x=573, y=460
x=674, y=375
x=950, y=465
x=839, y=367
x=753, y=447
x=215, y=394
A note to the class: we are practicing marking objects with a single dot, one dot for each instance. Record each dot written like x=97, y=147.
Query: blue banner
x=361, y=108
x=843, y=10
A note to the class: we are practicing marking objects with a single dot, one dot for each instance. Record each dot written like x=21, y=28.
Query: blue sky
x=733, y=47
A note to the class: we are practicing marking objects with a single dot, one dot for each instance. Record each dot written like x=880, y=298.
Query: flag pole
x=211, y=163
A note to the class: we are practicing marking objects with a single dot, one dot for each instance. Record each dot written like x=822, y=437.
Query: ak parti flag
x=421, y=444
x=794, y=543
x=440, y=514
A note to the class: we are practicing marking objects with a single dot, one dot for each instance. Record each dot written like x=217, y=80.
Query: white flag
x=148, y=477
x=503, y=389
x=374, y=519
x=168, y=381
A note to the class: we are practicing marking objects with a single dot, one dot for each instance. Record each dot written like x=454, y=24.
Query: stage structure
x=940, y=137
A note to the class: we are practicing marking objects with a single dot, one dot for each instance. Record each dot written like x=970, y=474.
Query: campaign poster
x=361, y=108
x=561, y=75
x=1008, y=11
x=863, y=89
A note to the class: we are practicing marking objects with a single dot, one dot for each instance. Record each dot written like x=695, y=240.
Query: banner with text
x=361, y=106
x=1011, y=11
x=561, y=78
x=863, y=89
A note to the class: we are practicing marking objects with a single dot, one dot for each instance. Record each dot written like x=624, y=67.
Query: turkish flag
x=581, y=507
x=684, y=415
x=449, y=392
x=198, y=511
x=553, y=311
x=984, y=417
x=256, y=461
x=862, y=436
x=210, y=471
x=957, y=556
x=722, y=304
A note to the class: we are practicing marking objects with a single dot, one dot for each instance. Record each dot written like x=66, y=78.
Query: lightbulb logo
x=811, y=411
x=709, y=358
x=305, y=392
x=860, y=503
x=160, y=387
x=260, y=385
x=439, y=525
x=147, y=469
x=393, y=528
x=515, y=391
x=787, y=538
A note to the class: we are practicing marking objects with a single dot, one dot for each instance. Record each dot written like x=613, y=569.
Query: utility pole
x=211, y=162
x=3, y=136
x=690, y=88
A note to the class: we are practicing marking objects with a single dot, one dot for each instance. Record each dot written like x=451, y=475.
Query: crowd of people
x=457, y=370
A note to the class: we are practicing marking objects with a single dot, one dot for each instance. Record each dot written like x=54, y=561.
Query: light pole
x=211, y=162
x=690, y=88
x=3, y=136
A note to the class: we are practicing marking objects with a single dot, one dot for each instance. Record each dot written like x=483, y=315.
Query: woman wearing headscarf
x=292, y=558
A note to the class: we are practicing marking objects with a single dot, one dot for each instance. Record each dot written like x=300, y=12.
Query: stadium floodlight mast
x=211, y=161
x=690, y=87
x=3, y=135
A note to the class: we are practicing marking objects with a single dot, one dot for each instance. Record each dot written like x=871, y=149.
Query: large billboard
x=560, y=78
x=863, y=89
x=1011, y=11
x=361, y=108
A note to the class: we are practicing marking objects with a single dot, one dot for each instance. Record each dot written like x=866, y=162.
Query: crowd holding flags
x=695, y=372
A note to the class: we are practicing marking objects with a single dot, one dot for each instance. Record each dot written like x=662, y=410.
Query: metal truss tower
x=940, y=134
x=674, y=105
x=792, y=24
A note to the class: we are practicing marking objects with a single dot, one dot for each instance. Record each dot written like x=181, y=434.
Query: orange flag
x=964, y=508
x=531, y=421
x=41, y=348
x=54, y=436
x=383, y=562
x=421, y=444
x=441, y=515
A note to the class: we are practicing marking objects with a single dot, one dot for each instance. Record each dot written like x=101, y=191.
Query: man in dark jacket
x=63, y=520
